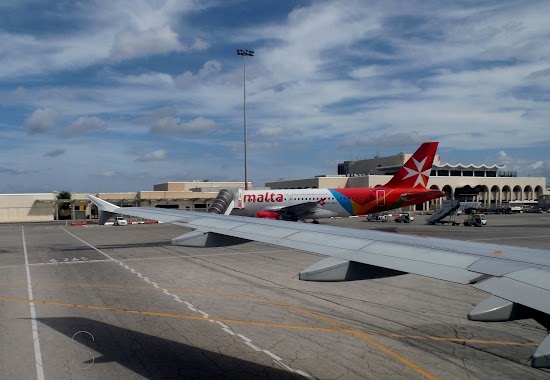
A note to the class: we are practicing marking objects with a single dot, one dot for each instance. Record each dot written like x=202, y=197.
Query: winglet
x=416, y=171
x=106, y=209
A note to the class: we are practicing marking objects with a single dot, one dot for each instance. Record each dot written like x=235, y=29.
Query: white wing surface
x=518, y=278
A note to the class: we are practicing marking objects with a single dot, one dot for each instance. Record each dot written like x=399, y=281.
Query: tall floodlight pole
x=245, y=53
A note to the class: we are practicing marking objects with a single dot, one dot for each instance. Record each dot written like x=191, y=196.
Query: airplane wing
x=518, y=278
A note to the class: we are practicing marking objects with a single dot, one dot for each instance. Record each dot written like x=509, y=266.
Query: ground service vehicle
x=120, y=221
x=475, y=220
x=404, y=218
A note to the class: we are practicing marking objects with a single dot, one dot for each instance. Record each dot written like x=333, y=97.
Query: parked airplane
x=406, y=188
x=518, y=278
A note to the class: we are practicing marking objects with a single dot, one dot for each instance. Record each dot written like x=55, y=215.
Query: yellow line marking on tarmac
x=393, y=354
x=178, y=316
x=338, y=327
x=358, y=334
x=327, y=320
x=459, y=340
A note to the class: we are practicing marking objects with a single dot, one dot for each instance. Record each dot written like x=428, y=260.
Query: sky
x=99, y=96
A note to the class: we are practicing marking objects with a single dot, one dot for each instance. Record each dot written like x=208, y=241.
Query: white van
x=120, y=221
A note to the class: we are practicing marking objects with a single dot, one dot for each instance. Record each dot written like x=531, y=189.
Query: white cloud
x=102, y=32
x=55, y=153
x=133, y=44
x=83, y=125
x=175, y=126
x=157, y=155
x=383, y=141
x=502, y=156
x=200, y=44
x=208, y=69
x=147, y=79
x=351, y=77
x=15, y=96
x=270, y=132
x=111, y=173
x=537, y=165
x=41, y=120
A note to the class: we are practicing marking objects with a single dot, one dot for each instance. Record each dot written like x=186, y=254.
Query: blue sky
x=119, y=95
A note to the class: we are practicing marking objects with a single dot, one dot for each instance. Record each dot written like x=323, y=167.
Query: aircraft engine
x=268, y=215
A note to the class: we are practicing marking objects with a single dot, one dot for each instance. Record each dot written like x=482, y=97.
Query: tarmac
x=106, y=302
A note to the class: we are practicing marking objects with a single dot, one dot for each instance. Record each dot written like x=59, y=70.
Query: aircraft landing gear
x=315, y=221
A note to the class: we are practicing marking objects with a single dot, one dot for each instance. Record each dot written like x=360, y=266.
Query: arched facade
x=436, y=202
x=538, y=191
x=517, y=193
x=448, y=190
x=495, y=194
x=528, y=193
x=506, y=193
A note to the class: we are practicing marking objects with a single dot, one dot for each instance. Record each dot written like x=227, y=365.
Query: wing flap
x=334, y=240
x=275, y=232
x=421, y=254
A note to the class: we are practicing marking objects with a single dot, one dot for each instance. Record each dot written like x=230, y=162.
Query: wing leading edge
x=518, y=278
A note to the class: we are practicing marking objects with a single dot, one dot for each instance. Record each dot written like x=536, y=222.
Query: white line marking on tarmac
x=284, y=366
x=36, y=340
x=56, y=263
x=272, y=355
x=305, y=374
x=255, y=348
x=206, y=255
x=143, y=258
x=228, y=331
x=203, y=313
x=88, y=244
x=244, y=338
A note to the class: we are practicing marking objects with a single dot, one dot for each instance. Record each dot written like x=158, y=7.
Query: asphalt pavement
x=104, y=302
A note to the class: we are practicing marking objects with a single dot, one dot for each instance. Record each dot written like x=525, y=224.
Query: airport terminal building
x=42, y=207
x=489, y=184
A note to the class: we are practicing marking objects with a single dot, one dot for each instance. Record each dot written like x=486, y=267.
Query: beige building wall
x=27, y=207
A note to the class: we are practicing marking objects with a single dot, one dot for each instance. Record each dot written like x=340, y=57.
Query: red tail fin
x=416, y=171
